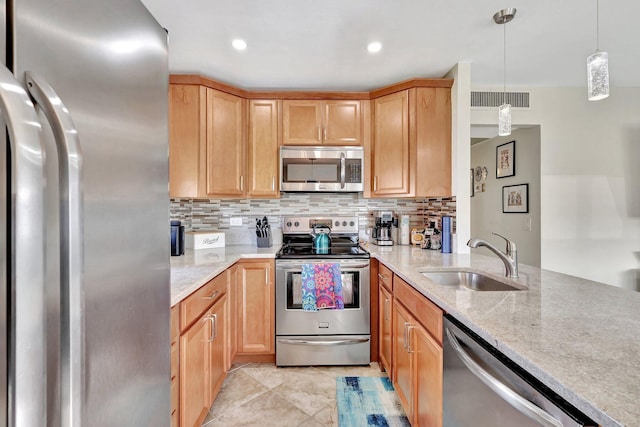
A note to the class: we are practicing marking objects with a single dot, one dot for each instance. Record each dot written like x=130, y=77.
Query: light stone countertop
x=578, y=337
x=195, y=268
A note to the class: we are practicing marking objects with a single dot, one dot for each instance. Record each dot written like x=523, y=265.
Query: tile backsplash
x=215, y=214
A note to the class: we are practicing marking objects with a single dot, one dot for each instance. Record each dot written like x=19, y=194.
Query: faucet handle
x=511, y=245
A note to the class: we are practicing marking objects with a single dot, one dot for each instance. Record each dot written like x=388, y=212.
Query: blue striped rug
x=368, y=401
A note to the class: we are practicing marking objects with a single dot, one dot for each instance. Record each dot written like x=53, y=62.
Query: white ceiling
x=304, y=44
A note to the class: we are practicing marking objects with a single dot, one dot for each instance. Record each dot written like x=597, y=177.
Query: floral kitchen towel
x=308, y=288
x=328, y=281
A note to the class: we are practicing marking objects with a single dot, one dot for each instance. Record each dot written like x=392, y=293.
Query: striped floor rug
x=368, y=401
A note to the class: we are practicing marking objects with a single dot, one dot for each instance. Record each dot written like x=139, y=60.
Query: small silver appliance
x=382, y=231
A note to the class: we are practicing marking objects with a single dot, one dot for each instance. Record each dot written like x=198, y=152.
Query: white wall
x=590, y=177
x=486, y=207
x=460, y=137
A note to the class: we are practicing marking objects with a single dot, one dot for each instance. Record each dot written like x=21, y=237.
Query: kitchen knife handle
x=70, y=170
x=26, y=351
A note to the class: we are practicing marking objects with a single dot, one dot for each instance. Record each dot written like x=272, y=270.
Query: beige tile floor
x=259, y=394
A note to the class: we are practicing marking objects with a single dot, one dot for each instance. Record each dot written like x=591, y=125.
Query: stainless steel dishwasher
x=482, y=387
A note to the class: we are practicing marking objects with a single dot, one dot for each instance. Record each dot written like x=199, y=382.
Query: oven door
x=291, y=319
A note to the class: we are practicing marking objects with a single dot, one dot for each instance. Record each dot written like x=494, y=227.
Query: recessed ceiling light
x=239, y=44
x=374, y=47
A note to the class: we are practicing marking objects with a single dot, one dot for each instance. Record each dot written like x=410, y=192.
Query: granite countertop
x=579, y=337
x=195, y=268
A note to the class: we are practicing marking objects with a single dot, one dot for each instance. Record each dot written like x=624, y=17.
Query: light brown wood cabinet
x=203, y=349
x=263, y=144
x=187, y=140
x=411, y=149
x=225, y=144
x=392, y=149
x=337, y=122
x=175, y=365
x=417, y=354
x=385, y=334
x=256, y=309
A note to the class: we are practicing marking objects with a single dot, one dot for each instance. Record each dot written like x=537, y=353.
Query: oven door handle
x=297, y=267
x=324, y=342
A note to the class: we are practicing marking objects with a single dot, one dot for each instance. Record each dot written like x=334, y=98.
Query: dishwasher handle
x=514, y=399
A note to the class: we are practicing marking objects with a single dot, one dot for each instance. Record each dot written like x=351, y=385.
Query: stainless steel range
x=326, y=336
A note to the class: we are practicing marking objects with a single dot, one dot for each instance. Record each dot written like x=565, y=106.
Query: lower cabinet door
x=384, y=330
x=194, y=373
x=402, y=357
x=427, y=374
x=217, y=348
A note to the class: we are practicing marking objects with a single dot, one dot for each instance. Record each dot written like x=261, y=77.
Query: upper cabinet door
x=433, y=133
x=302, y=123
x=225, y=144
x=321, y=122
x=391, y=146
x=342, y=123
x=187, y=139
x=263, y=149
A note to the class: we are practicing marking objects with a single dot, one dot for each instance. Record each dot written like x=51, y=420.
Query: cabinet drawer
x=426, y=312
x=175, y=384
x=175, y=359
x=175, y=323
x=385, y=277
x=198, y=302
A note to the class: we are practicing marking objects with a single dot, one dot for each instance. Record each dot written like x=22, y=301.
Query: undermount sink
x=469, y=280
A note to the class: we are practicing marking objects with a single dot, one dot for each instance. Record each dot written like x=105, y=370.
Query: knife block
x=265, y=242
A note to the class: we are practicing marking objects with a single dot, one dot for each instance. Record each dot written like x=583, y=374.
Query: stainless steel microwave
x=326, y=169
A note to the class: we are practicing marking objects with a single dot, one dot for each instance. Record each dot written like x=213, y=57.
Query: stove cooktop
x=308, y=252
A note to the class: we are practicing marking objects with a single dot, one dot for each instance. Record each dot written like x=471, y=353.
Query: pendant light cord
x=504, y=60
x=597, y=25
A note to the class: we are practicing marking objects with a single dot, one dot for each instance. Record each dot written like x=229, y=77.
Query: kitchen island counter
x=578, y=337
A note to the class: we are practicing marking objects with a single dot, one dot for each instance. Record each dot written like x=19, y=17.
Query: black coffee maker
x=177, y=238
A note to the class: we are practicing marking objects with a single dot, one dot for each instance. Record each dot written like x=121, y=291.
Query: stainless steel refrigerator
x=84, y=214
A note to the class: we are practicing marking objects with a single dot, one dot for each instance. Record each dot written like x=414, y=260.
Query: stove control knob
x=297, y=224
x=288, y=223
x=351, y=224
x=344, y=223
x=337, y=224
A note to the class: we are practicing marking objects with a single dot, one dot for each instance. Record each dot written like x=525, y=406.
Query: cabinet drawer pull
x=210, y=318
x=215, y=324
x=266, y=276
x=319, y=134
x=386, y=309
x=409, y=349
x=375, y=183
x=241, y=183
x=324, y=136
x=273, y=183
x=382, y=276
x=213, y=295
x=405, y=344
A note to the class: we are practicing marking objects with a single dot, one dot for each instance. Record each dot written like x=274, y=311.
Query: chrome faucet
x=510, y=258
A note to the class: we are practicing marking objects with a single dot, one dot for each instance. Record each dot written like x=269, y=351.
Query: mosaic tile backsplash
x=215, y=214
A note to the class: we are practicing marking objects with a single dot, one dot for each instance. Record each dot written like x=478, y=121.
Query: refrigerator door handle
x=27, y=345
x=71, y=245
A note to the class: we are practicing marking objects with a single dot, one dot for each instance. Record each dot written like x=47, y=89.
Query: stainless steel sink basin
x=469, y=280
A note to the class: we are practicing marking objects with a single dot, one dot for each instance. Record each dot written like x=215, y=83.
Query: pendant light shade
x=504, y=120
x=598, y=67
x=504, y=111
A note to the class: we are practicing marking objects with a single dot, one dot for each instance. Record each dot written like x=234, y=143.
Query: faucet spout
x=509, y=258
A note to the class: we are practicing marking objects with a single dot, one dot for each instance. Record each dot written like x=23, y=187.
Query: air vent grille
x=495, y=99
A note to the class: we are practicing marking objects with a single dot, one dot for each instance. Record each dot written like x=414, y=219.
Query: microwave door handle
x=70, y=167
x=511, y=397
x=26, y=355
x=343, y=166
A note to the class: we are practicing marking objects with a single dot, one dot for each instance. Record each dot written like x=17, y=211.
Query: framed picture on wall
x=506, y=160
x=515, y=198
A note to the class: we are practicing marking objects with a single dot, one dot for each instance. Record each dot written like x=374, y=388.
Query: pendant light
x=504, y=111
x=598, y=67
